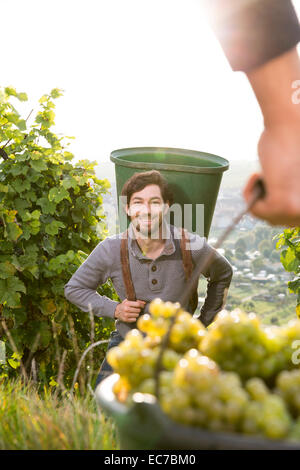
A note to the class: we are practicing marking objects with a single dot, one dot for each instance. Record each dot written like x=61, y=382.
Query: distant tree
x=275, y=256
x=240, y=244
x=248, y=305
x=249, y=240
x=262, y=233
x=265, y=247
x=240, y=254
x=258, y=264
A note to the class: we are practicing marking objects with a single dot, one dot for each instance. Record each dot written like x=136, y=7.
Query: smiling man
x=150, y=259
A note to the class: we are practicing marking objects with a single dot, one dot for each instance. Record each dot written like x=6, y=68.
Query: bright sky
x=135, y=73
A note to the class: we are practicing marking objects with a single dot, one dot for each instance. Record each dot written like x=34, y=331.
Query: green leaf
x=289, y=260
x=19, y=169
x=7, y=270
x=20, y=185
x=35, y=155
x=56, y=93
x=294, y=286
x=47, y=206
x=38, y=165
x=3, y=188
x=10, y=91
x=34, y=270
x=14, y=364
x=69, y=182
x=53, y=228
x=49, y=245
x=21, y=124
x=13, y=232
x=47, y=306
x=36, y=214
x=9, y=291
x=68, y=155
x=52, y=382
x=43, y=99
x=58, y=194
x=22, y=96
x=21, y=204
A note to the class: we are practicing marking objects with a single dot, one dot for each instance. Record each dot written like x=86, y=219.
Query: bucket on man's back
x=194, y=178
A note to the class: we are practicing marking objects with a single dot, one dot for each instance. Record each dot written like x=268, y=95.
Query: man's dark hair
x=139, y=181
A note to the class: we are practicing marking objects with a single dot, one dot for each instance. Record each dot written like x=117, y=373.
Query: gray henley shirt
x=162, y=277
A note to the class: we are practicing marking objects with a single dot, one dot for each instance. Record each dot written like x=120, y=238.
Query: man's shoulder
x=109, y=244
x=113, y=240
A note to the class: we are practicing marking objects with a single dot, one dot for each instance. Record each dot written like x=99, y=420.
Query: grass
x=32, y=419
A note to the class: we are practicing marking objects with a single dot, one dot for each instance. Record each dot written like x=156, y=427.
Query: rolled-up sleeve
x=94, y=271
x=252, y=32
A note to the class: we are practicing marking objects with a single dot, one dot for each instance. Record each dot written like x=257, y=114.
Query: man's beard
x=152, y=231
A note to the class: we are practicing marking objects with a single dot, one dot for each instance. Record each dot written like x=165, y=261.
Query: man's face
x=146, y=210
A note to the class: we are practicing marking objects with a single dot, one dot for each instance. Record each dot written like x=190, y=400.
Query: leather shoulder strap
x=186, y=255
x=129, y=288
x=188, y=267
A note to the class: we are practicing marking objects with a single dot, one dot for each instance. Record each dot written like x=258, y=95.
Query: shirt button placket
x=154, y=281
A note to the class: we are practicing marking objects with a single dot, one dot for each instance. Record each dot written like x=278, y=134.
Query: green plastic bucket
x=194, y=177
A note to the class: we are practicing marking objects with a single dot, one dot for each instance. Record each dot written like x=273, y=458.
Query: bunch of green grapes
x=238, y=342
x=288, y=387
x=212, y=378
x=199, y=394
x=294, y=434
x=266, y=414
x=135, y=359
x=186, y=333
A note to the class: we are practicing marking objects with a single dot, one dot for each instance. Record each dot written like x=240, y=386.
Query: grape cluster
x=136, y=357
x=201, y=395
x=239, y=342
x=215, y=378
x=288, y=387
x=186, y=333
x=266, y=414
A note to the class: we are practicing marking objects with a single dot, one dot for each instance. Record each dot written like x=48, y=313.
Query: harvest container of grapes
x=179, y=385
x=194, y=178
x=145, y=426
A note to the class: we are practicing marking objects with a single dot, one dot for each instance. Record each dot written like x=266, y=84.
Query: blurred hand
x=279, y=154
x=129, y=310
